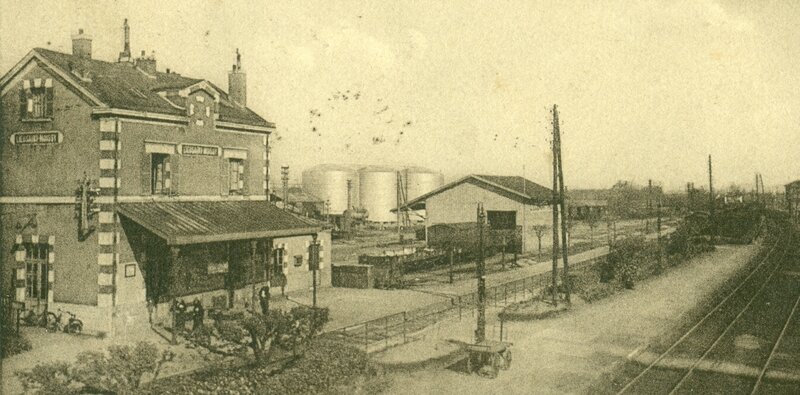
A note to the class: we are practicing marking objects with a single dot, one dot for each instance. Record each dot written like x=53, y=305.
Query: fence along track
x=400, y=327
x=760, y=266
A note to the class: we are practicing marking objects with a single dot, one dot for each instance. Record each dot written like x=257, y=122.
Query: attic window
x=36, y=99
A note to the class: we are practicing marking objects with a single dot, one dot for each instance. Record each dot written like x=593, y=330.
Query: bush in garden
x=119, y=371
x=122, y=369
x=594, y=292
x=625, y=260
x=289, y=330
x=49, y=378
x=325, y=365
x=12, y=343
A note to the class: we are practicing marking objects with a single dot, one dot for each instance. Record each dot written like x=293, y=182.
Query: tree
x=592, y=219
x=290, y=330
x=540, y=230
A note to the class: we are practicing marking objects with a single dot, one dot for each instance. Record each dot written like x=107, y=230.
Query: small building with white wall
x=509, y=201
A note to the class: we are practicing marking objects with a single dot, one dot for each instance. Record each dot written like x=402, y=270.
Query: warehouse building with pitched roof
x=510, y=202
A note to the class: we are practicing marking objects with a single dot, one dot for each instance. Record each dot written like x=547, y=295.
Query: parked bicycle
x=32, y=318
x=54, y=323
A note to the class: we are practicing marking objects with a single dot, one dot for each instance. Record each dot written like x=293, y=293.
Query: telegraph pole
x=649, y=205
x=555, y=217
x=756, y=193
x=285, y=180
x=563, y=201
x=480, y=332
x=711, y=201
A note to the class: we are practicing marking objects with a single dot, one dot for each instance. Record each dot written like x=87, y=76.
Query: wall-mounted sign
x=205, y=150
x=46, y=137
x=217, y=268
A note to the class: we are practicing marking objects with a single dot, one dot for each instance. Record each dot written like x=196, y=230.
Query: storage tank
x=329, y=183
x=378, y=192
x=419, y=181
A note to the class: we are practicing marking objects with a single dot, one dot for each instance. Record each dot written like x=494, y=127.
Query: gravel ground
x=568, y=353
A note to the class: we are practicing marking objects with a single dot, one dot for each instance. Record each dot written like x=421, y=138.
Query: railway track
x=748, y=343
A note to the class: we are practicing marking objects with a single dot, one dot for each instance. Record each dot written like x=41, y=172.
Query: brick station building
x=180, y=170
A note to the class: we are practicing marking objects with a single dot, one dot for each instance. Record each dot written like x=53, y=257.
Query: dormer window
x=36, y=99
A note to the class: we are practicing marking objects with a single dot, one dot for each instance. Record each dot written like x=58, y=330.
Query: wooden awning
x=180, y=223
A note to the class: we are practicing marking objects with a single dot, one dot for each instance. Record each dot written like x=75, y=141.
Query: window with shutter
x=36, y=99
x=235, y=176
x=160, y=172
x=175, y=173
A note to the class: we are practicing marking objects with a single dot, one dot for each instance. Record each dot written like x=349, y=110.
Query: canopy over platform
x=180, y=223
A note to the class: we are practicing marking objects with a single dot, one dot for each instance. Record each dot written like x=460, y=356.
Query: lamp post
x=313, y=265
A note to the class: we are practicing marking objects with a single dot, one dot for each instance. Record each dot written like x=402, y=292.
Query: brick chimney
x=125, y=55
x=237, y=82
x=147, y=64
x=82, y=45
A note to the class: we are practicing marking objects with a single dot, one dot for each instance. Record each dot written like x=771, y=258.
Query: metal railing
x=406, y=326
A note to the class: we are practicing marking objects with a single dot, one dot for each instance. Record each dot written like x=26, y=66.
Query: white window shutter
x=30, y=105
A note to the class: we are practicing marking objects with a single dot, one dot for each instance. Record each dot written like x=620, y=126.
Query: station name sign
x=28, y=138
x=189, y=149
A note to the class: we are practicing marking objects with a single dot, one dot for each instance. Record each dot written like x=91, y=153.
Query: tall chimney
x=237, y=82
x=82, y=45
x=125, y=55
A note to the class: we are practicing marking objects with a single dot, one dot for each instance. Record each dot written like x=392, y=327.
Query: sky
x=645, y=90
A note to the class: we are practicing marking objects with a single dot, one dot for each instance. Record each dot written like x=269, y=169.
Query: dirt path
x=566, y=354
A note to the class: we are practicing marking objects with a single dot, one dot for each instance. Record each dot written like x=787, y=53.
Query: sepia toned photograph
x=399, y=197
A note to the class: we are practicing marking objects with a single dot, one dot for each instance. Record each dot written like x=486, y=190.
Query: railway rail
x=747, y=343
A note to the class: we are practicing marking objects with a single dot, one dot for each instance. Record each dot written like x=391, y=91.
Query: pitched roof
x=520, y=185
x=123, y=86
x=297, y=195
x=513, y=187
x=203, y=222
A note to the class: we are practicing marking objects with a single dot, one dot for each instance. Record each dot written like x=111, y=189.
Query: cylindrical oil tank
x=329, y=183
x=378, y=192
x=419, y=181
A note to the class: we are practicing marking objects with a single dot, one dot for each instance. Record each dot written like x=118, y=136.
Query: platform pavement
x=349, y=306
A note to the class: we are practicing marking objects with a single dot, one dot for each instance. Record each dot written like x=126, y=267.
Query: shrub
x=325, y=365
x=12, y=343
x=629, y=260
x=49, y=378
x=594, y=292
x=120, y=371
x=289, y=330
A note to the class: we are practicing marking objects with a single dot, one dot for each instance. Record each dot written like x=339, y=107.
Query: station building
x=122, y=185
